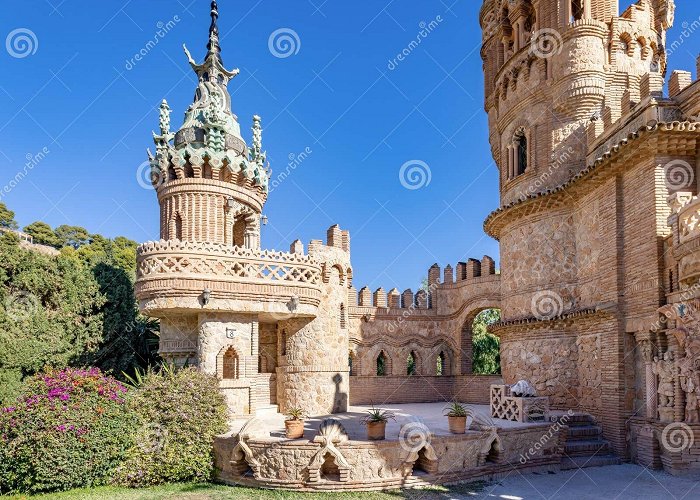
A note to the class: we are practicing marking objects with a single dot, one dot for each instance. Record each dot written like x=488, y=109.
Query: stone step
x=584, y=432
x=568, y=463
x=575, y=420
x=266, y=410
x=586, y=447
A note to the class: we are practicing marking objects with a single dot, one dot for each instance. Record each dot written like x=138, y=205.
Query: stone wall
x=421, y=389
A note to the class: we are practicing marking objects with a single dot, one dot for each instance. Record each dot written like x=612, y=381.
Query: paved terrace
x=431, y=414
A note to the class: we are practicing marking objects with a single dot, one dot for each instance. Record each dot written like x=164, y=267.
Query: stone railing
x=689, y=220
x=174, y=274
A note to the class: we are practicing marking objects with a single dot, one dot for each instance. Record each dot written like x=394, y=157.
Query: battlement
x=425, y=297
x=335, y=238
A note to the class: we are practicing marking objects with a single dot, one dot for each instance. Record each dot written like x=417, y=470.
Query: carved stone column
x=646, y=347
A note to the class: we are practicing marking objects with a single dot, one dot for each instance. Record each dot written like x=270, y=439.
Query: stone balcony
x=186, y=277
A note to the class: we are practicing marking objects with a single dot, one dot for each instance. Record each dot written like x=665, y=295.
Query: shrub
x=180, y=413
x=69, y=428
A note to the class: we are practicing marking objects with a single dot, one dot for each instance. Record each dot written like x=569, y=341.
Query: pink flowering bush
x=69, y=428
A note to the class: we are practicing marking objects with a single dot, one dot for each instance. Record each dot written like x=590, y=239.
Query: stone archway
x=466, y=338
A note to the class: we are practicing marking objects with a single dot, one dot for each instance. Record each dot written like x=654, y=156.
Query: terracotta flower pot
x=376, y=431
x=458, y=425
x=294, y=429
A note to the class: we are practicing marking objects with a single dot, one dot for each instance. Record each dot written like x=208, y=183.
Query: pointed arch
x=228, y=364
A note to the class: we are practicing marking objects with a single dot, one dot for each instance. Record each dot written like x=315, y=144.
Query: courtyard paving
x=618, y=482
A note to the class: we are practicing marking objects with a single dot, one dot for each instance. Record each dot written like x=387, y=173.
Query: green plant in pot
x=376, y=420
x=457, y=415
x=294, y=424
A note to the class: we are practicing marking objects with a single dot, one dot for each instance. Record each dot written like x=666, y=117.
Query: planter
x=376, y=431
x=294, y=429
x=458, y=425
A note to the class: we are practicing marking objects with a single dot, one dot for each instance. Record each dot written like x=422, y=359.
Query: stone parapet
x=178, y=275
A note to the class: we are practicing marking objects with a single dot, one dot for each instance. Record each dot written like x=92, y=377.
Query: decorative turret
x=211, y=187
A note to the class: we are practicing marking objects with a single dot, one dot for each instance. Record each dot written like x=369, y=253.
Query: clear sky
x=80, y=95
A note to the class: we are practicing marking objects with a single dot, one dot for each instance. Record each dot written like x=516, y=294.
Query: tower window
x=440, y=364
x=521, y=157
x=576, y=10
x=178, y=227
x=381, y=364
x=342, y=317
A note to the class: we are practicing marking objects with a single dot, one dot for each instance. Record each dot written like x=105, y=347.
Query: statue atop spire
x=212, y=69
x=213, y=46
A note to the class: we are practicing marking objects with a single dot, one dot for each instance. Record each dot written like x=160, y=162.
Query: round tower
x=211, y=186
x=551, y=67
x=266, y=323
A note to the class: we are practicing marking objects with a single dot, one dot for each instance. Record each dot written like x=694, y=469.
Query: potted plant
x=376, y=420
x=294, y=424
x=457, y=415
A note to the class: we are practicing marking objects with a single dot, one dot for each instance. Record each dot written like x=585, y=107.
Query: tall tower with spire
x=211, y=185
x=268, y=324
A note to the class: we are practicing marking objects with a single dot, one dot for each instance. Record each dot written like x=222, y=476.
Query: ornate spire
x=213, y=46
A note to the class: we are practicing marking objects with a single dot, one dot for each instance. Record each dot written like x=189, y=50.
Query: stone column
x=647, y=349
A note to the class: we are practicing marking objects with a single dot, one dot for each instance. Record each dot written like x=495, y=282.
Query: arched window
x=576, y=10
x=343, y=324
x=283, y=341
x=440, y=364
x=239, y=227
x=206, y=172
x=171, y=173
x=520, y=152
x=411, y=363
x=178, y=227
x=381, y=364
x=189, y=171
x=230, y=364
x=350, y=358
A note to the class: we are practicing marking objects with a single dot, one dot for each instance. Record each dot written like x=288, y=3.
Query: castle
x=598, y=231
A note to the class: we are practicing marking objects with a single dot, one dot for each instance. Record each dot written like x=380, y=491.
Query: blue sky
x=82, y=97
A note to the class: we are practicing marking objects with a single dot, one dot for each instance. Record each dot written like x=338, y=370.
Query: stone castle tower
x=268, y=324
x=557, y=74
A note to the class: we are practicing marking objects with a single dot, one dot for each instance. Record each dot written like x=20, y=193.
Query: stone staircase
x=585, y=446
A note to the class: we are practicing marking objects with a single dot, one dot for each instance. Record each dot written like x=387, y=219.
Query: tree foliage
x=7, y=217
x=72, y=310
x=486, y=346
